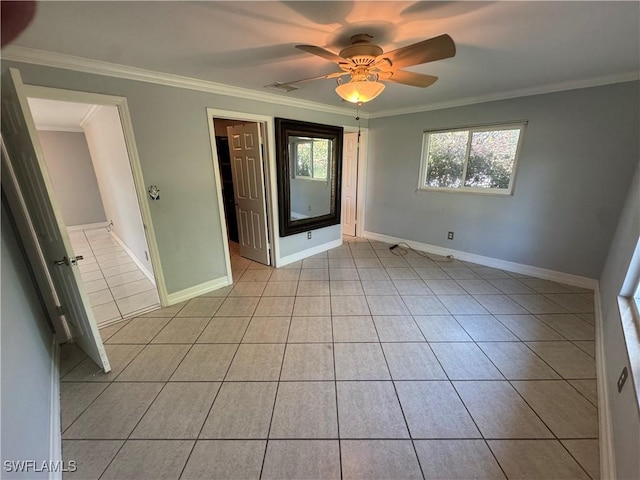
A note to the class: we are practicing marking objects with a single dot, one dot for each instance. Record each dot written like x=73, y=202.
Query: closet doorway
x=239, y=160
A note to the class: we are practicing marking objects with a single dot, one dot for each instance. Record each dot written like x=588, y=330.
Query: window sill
x=631, y=331
x=309, y=179
x=475, y=191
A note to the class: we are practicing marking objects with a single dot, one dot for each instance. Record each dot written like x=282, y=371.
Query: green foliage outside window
x=446, y=159
x=312, y=159
x=484, y=158
x=303, y=159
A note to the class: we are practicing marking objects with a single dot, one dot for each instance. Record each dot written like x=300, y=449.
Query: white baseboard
x=55, y=432
x=196, y=290
x=141, y=266
x=607, y=455
x=282, y=261
x=113, y=321
x=88, y=226
x=560, y=277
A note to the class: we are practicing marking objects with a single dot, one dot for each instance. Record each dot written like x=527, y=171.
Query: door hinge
x=59, y=310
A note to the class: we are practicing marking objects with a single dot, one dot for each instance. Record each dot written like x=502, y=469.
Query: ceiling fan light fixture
x=359, y=91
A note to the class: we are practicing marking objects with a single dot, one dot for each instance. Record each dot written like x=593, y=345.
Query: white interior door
x=247, y=169
x=349, y=183
x=28, y=167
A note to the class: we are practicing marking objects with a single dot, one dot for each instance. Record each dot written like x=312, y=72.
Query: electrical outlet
x=450, y=236
x=622, y=379
x=309, y=207
x=308, y=235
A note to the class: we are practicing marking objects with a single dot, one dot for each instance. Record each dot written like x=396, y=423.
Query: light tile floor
x=117, y=288
x=355, y=363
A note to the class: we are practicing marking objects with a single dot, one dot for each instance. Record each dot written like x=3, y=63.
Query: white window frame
x=632, y=295
x=295, y=163
x=629, y=308
x=635, y=303
x=471, y=129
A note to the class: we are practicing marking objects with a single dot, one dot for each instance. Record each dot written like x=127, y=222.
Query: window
x=478, y=159
x=311, y=158
x=629, y=307
x=634, y=298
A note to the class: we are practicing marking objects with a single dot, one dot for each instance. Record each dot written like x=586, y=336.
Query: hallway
x=116, y=286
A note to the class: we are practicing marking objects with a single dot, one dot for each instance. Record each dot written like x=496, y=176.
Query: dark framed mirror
x=309, y=163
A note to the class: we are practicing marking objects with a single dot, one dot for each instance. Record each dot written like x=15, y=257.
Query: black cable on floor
x=401, y=249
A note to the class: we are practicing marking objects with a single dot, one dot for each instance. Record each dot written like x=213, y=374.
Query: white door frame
x=121, y=104
x=362, y=177
x=269, y=155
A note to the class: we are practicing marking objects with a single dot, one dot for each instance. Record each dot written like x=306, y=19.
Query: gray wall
x=71, y=171
x=172, y=136
x=625, y=416
x=113, y=172
x=580, y=149
x=294, y=244
x=26, y=359
x=310, y=197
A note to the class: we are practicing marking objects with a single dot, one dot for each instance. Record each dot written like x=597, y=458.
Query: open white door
x=349, y=183
x=248, y=187
x=27, y=165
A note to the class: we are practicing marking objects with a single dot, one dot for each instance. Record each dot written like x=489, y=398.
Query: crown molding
x=97, y=67
x=91, y=112
x=525, y=92
x=59, y=128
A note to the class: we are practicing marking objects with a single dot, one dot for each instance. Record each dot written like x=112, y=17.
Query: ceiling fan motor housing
x=361, y=51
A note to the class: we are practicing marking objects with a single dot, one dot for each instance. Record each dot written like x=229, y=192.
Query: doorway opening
x=241, y=167
x=87, y=160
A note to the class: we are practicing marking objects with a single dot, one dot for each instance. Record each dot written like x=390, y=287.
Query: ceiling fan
x=367, y=64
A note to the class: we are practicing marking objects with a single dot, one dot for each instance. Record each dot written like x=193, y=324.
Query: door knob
x=68, y=261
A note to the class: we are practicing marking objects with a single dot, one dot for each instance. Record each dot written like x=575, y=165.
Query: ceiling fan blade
x=329, y=75
x=408, y=78
x=436, y=48
x=321, y=52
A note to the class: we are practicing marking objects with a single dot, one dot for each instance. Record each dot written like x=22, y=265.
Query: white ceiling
x=54, y=114
x=503, y=48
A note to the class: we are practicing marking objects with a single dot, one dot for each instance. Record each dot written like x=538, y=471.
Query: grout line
x=401, y=439
x=464, y=405
x=84, y=232
x=404, y=417
x=293, y=381
x=275, y=399
x=555, y=437
x=219, y=388
x=334, y=344
x=335, y=384
x=112, y=459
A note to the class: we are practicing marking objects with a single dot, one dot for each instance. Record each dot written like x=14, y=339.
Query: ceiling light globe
x=359, y=91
